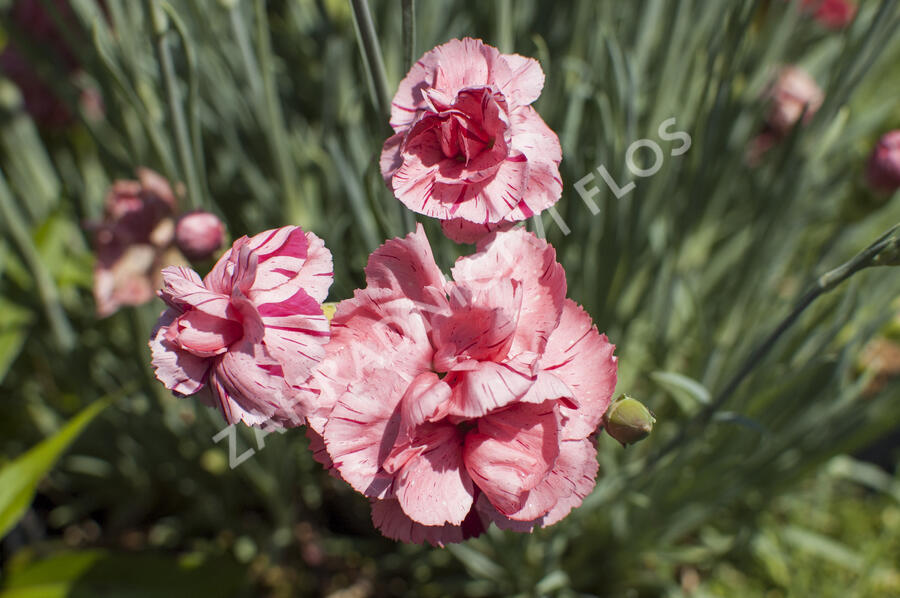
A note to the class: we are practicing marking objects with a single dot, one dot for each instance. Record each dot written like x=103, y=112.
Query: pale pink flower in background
x=794, y=94
x=883, y=168
x=451, y=404
x=247, y=337
x=199, y=235
x=132, y=241
x=469, y=149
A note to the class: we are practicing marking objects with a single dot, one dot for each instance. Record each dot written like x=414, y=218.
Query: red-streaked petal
x=583, y=358
x=564, y=487
x=388, y=516
x=511, y=452
x=519, y=255
x=522, y=81
x=177, y=369
x=432, y=485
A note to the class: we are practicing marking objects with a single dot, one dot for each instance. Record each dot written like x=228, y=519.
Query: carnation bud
x=883, y=171
x=794, y=94
x=199, y=234
x=628, y=421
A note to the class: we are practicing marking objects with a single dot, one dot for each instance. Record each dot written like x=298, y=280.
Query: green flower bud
x=628, y=421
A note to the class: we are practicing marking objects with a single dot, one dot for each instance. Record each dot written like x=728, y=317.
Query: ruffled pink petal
x=480, y=387
x=425, y=398
x=519, y=255
x=583, y=358
x=281, y=254
x=362, y=429
x=533, y=138
x=564, y=487
x=490, y=514
x=391, y=157
x=178, y=370
x=448, y=67
x=463, y=231
x=295, y=333
x=481, y=324
x=250, y=387
x=548, y=387
x=487, y=201
x=511, y=452
x=203, y=335
x=462, y=63
x=388, y=516
x=317, y=273
x=406, y=267
x=522, y=82
x=183, y=287
x=431, y=483
x=319, y=452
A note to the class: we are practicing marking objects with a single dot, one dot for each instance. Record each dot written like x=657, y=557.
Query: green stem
x=275, y=119
x=409, y=32
x=371, y=51
x=883, y=251
x=160, y=26
x=251, y=67
x=504, y=26
x=193, y=102
x=46, y=287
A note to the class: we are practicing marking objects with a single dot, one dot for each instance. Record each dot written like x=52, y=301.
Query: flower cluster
x=449, y=404
x=465, y=401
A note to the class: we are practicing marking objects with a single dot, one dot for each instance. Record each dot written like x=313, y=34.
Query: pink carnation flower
x=469, y=149
x=247, y=337
x=132, y=241
x=453, y=404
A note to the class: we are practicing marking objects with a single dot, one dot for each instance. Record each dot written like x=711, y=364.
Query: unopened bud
x=628, y=421
x=199, y=234
x=883, y=170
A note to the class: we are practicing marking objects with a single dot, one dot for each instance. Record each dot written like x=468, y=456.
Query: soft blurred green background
x=768, y=496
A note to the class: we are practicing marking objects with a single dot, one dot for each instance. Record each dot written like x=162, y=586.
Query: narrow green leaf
x=19, y=478
x=98, y=574
x=687, y=392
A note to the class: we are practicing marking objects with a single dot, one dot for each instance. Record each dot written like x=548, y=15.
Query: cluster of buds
x=138, y=236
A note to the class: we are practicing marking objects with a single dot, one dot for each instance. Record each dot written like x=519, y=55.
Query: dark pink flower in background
x=199, y=235
x=883, y=168
x=831, y=14
x=469, y=149
x=451, y=404
x=31, y=19
x=247, y=336
x=132, y=241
